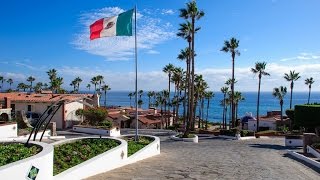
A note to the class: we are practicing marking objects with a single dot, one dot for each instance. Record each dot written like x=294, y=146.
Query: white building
x=38, y=103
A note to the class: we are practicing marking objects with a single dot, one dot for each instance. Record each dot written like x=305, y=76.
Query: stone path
x=216, y=159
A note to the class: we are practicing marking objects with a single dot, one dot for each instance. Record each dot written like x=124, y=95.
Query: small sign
x=33, y=173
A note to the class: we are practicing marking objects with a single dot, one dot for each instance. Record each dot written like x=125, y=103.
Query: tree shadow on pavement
x=269, y=146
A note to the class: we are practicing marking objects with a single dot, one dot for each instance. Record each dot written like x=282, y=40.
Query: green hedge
x=307, y=116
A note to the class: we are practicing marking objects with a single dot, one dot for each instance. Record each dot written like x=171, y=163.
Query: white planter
x=194, y=139
x=114, y=132
x=293, y=142
x=313, y=152
x=8, y=130
x=109, y=160
x=150, y=150
x=20, y=169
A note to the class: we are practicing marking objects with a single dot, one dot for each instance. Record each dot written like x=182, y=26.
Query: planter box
x=42, y=161
x=194, y=139
x=150, y=150
x=106, y=161
x=313, y=151
x=114, y=132
x=8, y=130
x=294, y=141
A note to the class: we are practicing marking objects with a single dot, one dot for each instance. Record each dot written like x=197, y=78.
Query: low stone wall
x=8, y=130
x=43, y=161
x=313, y=152
x=114, y=132
x=294, y=141
x=194, y=139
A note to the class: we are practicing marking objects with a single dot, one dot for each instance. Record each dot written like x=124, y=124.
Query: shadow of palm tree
x=271, y=146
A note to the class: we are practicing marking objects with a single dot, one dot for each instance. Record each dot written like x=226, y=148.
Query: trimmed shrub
x=229, y=132
x=245, y=133
x=290, y=113
x=307, y=116
x=94, y=116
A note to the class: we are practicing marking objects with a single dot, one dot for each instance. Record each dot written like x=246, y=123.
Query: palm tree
x=100, y=80
x=231, y=47
x=208, y=95
x=52, y=73
x=150, y=94
x=309, y=82
x=31, y=79
x=45, y=85
x=177, y=78
x=224, y=90
x=94, y=81
x=260, y=70
x=130, y=96
x=237, y=98
x=105, y=88
x=292, y=76
x=38, y=87
x=140, y=93
x=192, y=13
x=56, y=84
x=2, y=80
x=169, y=70
x=279, y=93
x=10, y=81
x=88, y=86
x=74, y=84
x=78, y=81
x=22, y=86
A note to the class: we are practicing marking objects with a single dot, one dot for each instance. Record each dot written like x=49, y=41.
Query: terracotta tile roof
x=146, y=120
x=35, y=97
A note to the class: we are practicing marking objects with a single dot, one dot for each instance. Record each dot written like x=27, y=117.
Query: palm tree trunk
x=188, y=124
x=232, y=93
x=130, y=101
x=258, y=103
x=202, y=113
x=192, y=77
x=168, y=118
x=166, y=114
x=291, y=87
x=105, y=99
x=184, y=106
x=309, y=95
x=281, y=105
x=207, y=113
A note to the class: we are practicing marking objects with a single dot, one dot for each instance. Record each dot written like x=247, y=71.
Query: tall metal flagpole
x=136, y=63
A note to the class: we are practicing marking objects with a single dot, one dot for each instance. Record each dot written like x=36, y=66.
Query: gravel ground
x=216, y=158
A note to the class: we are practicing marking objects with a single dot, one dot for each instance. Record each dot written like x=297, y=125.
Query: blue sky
x=38, y=35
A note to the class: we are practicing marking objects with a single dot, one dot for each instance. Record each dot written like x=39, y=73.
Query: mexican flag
x=120, y=25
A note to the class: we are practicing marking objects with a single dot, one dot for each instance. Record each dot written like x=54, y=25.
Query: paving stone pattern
x=216, y=158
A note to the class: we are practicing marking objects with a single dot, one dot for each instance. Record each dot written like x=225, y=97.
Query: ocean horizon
x=249, y=105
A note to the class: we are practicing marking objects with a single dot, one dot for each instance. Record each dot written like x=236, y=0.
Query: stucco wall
x=40, y=108
x=8, y=130
x=252, y=125
x=70, y=113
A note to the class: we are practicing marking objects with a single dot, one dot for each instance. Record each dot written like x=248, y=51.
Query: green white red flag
x=120, y=25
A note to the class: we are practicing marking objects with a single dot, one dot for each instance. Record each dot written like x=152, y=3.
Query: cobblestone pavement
x=216, y=159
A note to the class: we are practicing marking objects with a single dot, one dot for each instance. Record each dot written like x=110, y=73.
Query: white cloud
x=302, y=56
x=151, y=32
x=167, y=12
x=152, y=52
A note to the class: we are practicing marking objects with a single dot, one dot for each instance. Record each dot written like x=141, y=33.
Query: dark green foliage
x=245, y=133
x=94, y=116
x=12, y=152
x=290, y=113
x=134, y=146
x=307, y=116
x=316, y=145
x=74, y=153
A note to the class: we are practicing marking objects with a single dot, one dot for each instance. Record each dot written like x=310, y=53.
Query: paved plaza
x=216, y=158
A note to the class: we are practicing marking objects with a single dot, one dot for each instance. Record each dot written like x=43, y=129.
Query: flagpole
x=136, y=64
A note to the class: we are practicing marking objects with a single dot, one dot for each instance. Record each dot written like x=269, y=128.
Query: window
x=29, y=108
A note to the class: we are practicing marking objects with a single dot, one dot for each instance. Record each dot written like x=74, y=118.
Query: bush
x=12, y=152
x=230, y=132
x=316, y=145
x=290, y=113
x=94, y=116
x=74, y=153
x=307, y=116
x=244, y=133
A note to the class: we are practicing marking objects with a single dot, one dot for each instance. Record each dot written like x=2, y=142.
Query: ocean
x=267, y=102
